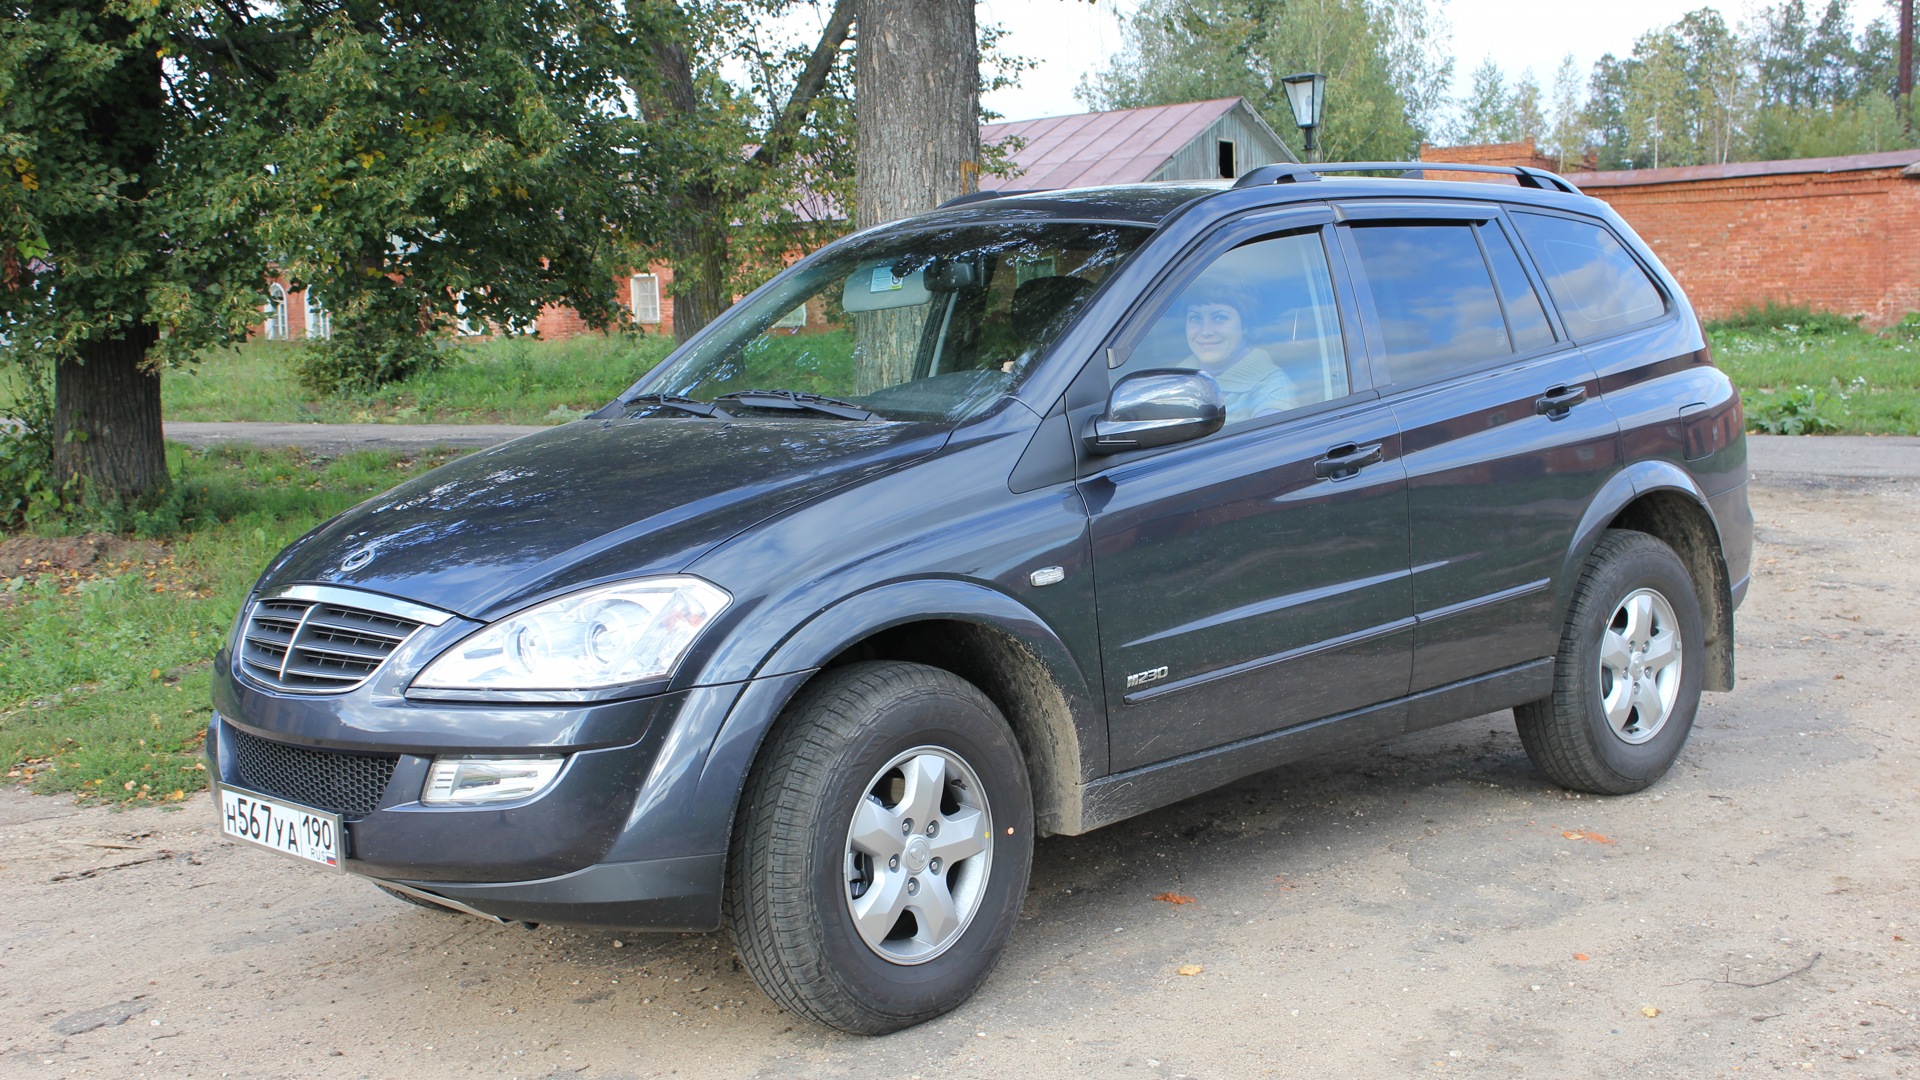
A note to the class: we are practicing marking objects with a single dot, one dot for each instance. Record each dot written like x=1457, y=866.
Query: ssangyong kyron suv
x=1015, y=518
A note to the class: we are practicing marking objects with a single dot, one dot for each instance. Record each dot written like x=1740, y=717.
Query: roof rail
x=983, y=196
x=1286, y=172
x=1416, y=170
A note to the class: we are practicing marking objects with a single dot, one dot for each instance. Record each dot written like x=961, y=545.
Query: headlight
x=610, y=636
x=468, y=781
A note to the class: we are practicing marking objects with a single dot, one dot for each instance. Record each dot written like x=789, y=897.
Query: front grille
x=325, y=779
x=316, y=646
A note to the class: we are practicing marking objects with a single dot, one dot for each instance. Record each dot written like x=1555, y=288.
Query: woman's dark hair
x=1219, y=291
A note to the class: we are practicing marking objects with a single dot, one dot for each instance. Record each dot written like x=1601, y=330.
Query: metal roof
x=1126, y=146
x=1891, y=159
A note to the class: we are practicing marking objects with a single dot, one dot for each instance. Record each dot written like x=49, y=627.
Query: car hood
x=589, y=501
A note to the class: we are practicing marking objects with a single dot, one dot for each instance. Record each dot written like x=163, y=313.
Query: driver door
x=1255, y=579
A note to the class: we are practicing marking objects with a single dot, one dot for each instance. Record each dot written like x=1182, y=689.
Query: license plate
x=291, y=829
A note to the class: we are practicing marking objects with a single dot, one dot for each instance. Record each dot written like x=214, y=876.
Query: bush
x=361, y=359
x=1804, y=410
x=27, y=492
x=1908, y=328
x=1792, y=318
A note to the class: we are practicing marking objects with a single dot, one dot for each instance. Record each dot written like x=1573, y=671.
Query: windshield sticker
x=884, y=280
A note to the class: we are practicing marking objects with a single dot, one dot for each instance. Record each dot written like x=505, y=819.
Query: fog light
x=467, y=781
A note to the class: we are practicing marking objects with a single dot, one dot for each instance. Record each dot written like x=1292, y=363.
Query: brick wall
x=1833, y=234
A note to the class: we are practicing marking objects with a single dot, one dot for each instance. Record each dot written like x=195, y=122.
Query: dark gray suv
x=1015, y=518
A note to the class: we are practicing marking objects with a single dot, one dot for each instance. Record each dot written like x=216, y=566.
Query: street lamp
x=1307, y=93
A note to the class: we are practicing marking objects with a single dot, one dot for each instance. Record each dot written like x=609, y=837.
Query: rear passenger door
x=1503, y=433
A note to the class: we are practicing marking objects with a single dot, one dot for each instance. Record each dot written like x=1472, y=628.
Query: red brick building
x=1834, y=234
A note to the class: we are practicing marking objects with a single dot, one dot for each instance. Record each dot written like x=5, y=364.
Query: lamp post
x=1307, y=93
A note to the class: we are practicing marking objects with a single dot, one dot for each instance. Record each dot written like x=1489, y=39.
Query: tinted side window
x=1526, y=317
x=1595, y=282
x=1434, y=298
x=1263, y=321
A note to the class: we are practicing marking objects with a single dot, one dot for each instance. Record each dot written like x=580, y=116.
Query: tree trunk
x=106, y=418
x=700, y=257
x=917, y=79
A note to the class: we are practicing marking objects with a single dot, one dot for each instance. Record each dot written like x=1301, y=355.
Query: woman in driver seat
x=1250, y=382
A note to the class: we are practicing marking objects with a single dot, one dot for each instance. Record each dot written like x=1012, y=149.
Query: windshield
x=911, y=325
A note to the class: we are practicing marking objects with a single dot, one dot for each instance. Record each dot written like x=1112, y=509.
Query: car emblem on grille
x=356, y=559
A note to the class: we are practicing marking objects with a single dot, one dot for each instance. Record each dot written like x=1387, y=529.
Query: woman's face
x=1214, y=333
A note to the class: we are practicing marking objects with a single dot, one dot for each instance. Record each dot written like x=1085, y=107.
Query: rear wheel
x=882, y=848
x=1627, y=673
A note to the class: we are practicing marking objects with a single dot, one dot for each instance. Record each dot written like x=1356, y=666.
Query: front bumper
x=631, y=836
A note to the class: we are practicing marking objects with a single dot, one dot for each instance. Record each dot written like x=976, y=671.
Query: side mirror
x=1155, y=408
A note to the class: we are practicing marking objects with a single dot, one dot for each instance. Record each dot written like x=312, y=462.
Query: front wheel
x=1627, y=673
x=882, y=848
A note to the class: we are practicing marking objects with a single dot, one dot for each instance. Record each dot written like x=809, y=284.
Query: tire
x=1626, y=678
x=831, y=825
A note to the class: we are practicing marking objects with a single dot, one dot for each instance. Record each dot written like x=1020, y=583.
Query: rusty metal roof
x=1126, y=146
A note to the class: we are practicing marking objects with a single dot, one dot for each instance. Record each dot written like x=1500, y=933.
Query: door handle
x=1346, y=459
x=1558, y=400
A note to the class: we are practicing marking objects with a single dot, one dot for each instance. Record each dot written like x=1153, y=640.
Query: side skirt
x=1136, y=791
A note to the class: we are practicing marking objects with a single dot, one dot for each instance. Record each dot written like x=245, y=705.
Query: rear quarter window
x=1597, y=284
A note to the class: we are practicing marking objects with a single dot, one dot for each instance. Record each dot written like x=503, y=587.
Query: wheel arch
x=972, y=631
x=1662, y=500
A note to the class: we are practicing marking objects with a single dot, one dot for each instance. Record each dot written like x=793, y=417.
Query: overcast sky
x=1072, y=37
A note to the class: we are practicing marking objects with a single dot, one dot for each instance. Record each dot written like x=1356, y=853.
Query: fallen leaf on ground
x=1173, y=898
x=1589, y=837
x=1581, y=956
x=1649, y=1012
x=1191, y=969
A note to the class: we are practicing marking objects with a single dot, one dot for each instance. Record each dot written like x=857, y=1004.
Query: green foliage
x=1385, y=63
x=1786, y=85
x=104, y=671
x=1908, y=328
x=27, y=491
x=1804, y=410
x=359, y=358
x=1793, y=319
x=1808, y=371
x=503, y=381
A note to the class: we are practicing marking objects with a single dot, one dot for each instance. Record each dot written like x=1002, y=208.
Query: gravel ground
x=1429, y=905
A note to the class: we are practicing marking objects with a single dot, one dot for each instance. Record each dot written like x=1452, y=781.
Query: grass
x=1791, y=363
x=509, y=381
x=104, y=671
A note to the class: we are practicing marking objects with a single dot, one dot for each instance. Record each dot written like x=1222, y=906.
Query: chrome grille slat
x=318, y=646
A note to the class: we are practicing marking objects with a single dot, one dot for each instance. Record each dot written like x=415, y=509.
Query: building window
x=319, y=319
x=464, y=326
x=645, y=298
x=277, y=312
x=1229, y=160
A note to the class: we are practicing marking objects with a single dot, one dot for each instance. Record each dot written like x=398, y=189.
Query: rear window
x=1596, y=283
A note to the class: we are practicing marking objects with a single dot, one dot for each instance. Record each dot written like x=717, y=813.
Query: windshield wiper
x=675, y=401
x=794, y=399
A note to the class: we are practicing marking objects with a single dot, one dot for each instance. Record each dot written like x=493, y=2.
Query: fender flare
x=1621, y=491
x=1072, y=736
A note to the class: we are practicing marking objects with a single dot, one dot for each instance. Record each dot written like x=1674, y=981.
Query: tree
x=1384, y=61
x=919, y=139
x=1487, y=114
x=1567, y=136
x=168, y=156
x=764, y=164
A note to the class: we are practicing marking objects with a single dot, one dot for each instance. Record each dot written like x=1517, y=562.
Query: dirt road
x=1431, y=905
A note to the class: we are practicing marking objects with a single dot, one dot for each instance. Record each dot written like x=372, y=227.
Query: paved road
x=1853, y=457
